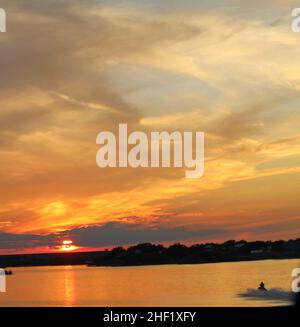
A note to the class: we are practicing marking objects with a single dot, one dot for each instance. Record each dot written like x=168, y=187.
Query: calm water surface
x=221, y=284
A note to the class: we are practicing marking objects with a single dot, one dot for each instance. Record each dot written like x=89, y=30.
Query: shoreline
x=147, y=254
x=158, y=264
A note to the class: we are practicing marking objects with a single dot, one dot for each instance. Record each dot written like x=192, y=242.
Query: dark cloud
x=110, y=234
x=25, y=241
x=115, y=233
x=120, y=233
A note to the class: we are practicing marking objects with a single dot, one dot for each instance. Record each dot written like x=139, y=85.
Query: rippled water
x=220, y=284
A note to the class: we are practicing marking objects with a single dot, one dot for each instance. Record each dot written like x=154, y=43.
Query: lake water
x=220, y=284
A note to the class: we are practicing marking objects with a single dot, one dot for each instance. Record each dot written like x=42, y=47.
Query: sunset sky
x=71, y=69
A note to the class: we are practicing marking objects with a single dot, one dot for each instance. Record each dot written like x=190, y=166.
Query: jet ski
x=261, y=287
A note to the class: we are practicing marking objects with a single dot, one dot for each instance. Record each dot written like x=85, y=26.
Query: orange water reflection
x=168, y=285
x=69, y=286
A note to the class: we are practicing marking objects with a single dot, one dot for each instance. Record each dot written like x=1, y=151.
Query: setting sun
x=67, y=245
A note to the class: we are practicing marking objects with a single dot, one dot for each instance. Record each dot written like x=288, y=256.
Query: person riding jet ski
x=262, y=287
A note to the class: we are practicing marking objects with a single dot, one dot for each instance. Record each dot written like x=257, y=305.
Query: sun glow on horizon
x=67, y=245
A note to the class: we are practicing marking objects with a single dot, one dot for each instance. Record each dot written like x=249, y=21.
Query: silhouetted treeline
x=153, y=254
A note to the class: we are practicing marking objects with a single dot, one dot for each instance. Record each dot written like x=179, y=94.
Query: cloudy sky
x=70, y=69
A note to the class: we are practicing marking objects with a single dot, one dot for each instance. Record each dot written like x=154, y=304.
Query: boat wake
x=273, y=294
